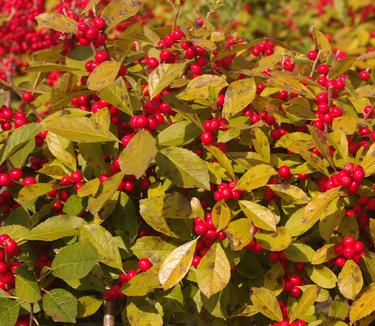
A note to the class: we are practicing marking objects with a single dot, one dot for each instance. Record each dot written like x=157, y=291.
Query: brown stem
x=314, y=64
x=31, y=314
x=176, y=13
x=109, y=313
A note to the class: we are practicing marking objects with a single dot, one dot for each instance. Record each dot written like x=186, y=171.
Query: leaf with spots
x=350, y=280
x=213, y=273
x=238, y=233
x=261, y=216
x=364, y=305
x=266, y=303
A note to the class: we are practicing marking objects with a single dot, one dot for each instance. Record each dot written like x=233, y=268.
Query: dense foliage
x=163, y=163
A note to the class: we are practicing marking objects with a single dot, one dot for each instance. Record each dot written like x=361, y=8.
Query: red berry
x=207, y=138
x=323, y=69
x=285, y=172
x=144, y=264
x=4, y=179
x=28, y=97
x=312, y=55
x=100, y=23
x=358, y=246
x=364, y=75
x=11, y=247
x=295, y=292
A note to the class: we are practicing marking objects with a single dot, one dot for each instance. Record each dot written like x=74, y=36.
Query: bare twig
x=109, y=314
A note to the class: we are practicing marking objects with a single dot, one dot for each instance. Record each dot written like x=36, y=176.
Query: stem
x=176, y=13
x=31, y=314
x=109, y=315
x=314, y=64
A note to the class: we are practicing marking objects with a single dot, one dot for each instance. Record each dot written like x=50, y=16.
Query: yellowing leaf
x=142, y=283
x=88, y=305
x=177, y=264
x=221, y=215
x=255, y=177
x=266, y=303
x=276, y=241
x=290, y=193
x=57, y=22
x=368, y=162
x=223, y=160
x=79, y=129
x=213, y=272
x=183, y=167
x=201, y=86
x=323, y=44
x=238, y=233
x=116, y=12
x=138, y=154
x=104, y=75
x=261, y=216
x=163, y=76
x=322, y=276
x=261, y=143
x=308, y=298
x=364, y=305
x=238, y=95
x=350, y=280
x=32, y=192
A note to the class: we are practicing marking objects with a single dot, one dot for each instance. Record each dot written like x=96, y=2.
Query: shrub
x=177, y=174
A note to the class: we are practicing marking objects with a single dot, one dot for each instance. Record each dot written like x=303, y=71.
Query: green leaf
x=222, y=159
x=255, y=177
x=238, y=95
x=183, y=167
x=15, y=231
x=88, y=305
x=163, y=76
x=177, y=264
x=142, y=313
x=117, y=94
x=56, y=227
x=27, y=288
x=178, y=134
x=323, y=44
x=261, y=216
x=105, y=194
x=9, y=310
x=303, y=220
x=238, y=233
x=364, y=305
x=104, y=75
x=116, y=12
x=73, y=206
x=57, y=22
x=32, y=192
x=60, y=305
x=89, y=188
x=62, y=149
x=20, y=137
x=201, y=86
x=213, y=273
x=266, y=303
x=322, y=276
x=75, y=261
x=350, y=280
x=138, y=154
x=308, y=298
x=290, y=193
x=337, y=139
x=339, y=67
x=332, y=218
x=79, y=129
x=368, y=162
x=261, y=143
x=142, y=283
x=154, y=248
x=221, y=215
x=105, y=244
x=276, y=241
x=299, y=252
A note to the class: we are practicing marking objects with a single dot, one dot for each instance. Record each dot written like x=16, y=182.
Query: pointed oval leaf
x=60, y=305
x=163, y=76
x=364, y=305
x=350, y=280
x=275, y=241
x=75, y=261
x=322, y=276
x=290, y=193
x=142, y=283
x=27, y=288
x=213, y=273
x=238, y=233
x=255, y=177
x=221, y=215
x=57, y=22
x=266, y=303
x=9, y=310
x=105, y=244
x=183, y=167
x=261, y=216
x=239, y=94
x=177, y=264
x=308, y=298
x=56, y=227
x=138, y=154
x=103, y=76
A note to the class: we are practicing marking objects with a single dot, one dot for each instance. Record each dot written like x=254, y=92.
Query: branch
x=109, y=313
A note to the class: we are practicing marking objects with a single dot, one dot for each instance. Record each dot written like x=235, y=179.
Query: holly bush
x=161, y=164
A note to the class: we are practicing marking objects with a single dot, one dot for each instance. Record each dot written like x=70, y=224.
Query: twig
x=176, y=14
x=31, y=314
x=109, y=316
x=314, y=64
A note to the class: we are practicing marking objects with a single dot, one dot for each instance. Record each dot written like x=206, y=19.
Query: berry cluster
x=227, y=191
x=292, y=283
x=348, y=248
x=91, y=31
x=211, y=126
x=8, y=262
x=265, y=48
x=9, y=119
x=361, y=210
x=285, y=321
